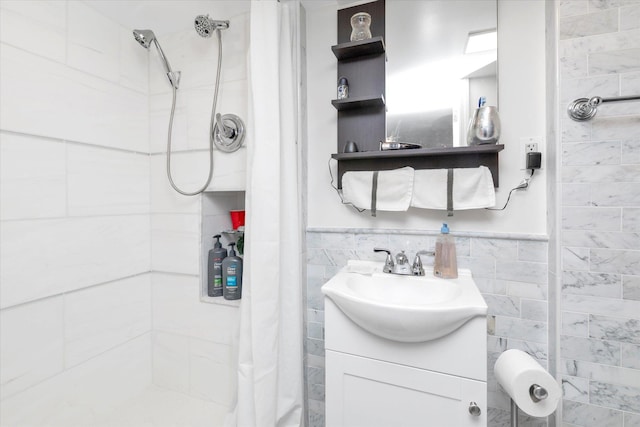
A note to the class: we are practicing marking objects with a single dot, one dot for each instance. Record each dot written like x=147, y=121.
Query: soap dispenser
x=446, y=264
x=214, y=268
x=232, y=275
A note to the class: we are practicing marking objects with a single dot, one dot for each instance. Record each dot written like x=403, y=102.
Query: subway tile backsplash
x=600, y=280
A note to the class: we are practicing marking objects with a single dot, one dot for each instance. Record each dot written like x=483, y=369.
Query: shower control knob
x=474, y=409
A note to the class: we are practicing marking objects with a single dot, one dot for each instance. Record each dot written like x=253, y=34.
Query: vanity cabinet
x=371, y=381
x=369, y=392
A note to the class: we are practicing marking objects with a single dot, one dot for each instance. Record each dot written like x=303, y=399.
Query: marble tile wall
x=510, y=271
x=75, y=288
x=599, y=363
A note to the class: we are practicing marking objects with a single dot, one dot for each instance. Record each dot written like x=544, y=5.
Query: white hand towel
x=472, y=189
x=394, y=191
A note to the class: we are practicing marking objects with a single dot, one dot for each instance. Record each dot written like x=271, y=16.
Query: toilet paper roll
x=517, y=372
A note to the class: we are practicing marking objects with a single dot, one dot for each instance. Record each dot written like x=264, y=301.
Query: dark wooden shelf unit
x=372, y=46
x=423, y=158
x=362, y=116
x=359, y=102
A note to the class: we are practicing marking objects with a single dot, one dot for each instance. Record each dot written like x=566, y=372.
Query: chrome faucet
x=401, y=264
x=418, y=269
x=388, y=263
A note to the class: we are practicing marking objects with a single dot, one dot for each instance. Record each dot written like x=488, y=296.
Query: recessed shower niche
x=216, y=220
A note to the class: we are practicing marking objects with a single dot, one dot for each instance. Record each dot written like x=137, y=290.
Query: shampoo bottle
x=232, y=275
x=216, y=255
x=446, y=264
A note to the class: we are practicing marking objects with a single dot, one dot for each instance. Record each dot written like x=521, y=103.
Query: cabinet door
x=371, y=393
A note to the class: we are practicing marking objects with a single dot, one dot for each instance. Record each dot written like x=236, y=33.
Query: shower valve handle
x=227, y=132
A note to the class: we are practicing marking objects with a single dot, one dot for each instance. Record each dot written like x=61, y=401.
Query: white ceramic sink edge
x=404, y=308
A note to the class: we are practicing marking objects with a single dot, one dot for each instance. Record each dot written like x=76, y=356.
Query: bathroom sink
x=404, y=308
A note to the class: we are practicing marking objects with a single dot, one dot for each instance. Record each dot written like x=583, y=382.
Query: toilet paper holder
x=537, y=393
x=531, y=388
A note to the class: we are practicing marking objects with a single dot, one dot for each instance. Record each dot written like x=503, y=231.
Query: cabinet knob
x=474, y=409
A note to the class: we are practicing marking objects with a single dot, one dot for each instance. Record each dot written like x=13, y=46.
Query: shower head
x=145, y=38
x=205, y=26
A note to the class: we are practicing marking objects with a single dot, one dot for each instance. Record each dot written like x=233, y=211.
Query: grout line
x=69, y=141
x=73, y=217
x=61, y=294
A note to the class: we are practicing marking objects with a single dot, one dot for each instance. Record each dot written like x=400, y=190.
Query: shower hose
x=211, y=128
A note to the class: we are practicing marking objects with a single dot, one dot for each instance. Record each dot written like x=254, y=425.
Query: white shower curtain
x=270, y=372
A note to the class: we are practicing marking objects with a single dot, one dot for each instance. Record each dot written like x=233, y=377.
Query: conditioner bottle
x=446, y=264
x=232, y=275
x=214, y=268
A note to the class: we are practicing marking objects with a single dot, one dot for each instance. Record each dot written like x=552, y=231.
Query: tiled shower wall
x=510, y=271
x=194, y=343
x=75, y=286
x=599, y=54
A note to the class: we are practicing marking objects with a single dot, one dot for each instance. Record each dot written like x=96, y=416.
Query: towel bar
x=583, y=109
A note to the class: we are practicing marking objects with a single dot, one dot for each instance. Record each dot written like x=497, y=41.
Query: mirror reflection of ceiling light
x=481, y=41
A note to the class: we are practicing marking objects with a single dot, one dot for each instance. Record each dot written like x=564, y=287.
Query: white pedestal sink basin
x=404, y=308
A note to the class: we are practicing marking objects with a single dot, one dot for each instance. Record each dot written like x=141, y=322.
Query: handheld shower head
x=205, y=26
x=145, y=38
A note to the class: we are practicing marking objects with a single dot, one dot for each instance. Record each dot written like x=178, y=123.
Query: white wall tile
x=171, y=361
x=41, y=97
x=159, y=114
x=579, y=414
x=211, y=371
x=599, y=372
x=164, y=199
x=190, y=170
x=603, y=219
x=575, y=324
x=32, y=344
x=103, y=181
x=588, y=24
x=175, y=243
x=102, y=317
x=173, y=300
x=36, y=26
x=591, y=153
x=134, y=63
x=47, y=257
x=32, y=177
x=85, y=394
x=602, y=306
x=93, y=42
x=619, y=61
x=177, y=309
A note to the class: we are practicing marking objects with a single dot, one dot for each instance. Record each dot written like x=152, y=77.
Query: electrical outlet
x=529, y=145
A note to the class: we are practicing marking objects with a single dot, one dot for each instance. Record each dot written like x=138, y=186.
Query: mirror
x=436, y=71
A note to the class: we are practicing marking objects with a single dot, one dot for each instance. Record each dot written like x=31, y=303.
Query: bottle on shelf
x=214, y=268
x=232, y=275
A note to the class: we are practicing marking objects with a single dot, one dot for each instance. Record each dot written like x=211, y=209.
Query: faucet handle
x=402, y=259
x=388, y=264
x=417, y=268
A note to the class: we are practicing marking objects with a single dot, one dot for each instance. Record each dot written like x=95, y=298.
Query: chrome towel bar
x=583, y=109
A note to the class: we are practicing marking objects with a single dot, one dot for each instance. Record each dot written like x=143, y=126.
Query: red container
x=237, y=219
